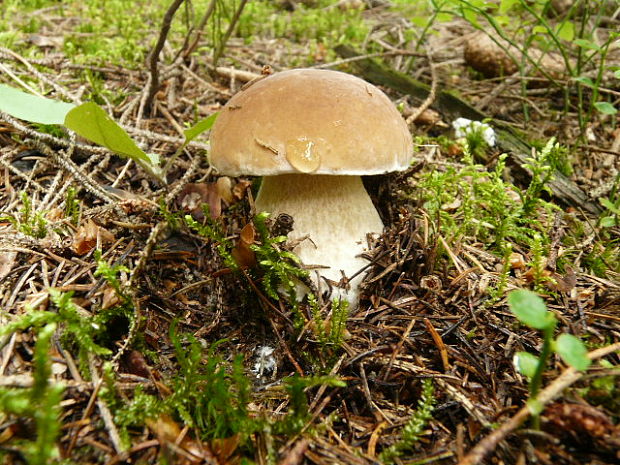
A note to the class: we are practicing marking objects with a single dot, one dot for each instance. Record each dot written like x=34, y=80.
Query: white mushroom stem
x=335, y=212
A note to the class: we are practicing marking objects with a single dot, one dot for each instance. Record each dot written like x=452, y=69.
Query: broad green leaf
x=530, y=309
x=585, y=81
x=573, y=351
x=617, y=73
x=506, y=5
x=608, y=222
x=471, y=17
x=566, y=30
x=526, y=363
x=419, y=21
x=584, y=43
x=90, y=121
x=503, y=20
x=609, y=205
x=606, y=108
x=444, y=17
x=32, y=108
x=200, y=127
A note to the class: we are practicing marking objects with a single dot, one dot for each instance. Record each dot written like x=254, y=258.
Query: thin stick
x=104, y=410
x=233, y=23
x=187, y=48
x=364, y=57
x=154, y=55
x=431, y=95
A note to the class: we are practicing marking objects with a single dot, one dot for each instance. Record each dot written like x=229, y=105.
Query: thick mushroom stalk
x=335, y=213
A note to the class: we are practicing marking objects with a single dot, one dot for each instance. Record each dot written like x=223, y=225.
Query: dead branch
x=154, y=55
x=231, y=27
x=188, y=47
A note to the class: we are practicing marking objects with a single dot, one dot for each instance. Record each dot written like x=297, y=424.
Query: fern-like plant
x=28, y=222
x=414, y=428
x=41, y=402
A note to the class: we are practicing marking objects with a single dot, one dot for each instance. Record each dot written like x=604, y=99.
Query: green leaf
x=506, y=5
x=90, y=121
x=585, y=81
x=584, y=43
x=608, y=222
x=609, y=205
x=200, y=127
x=573, y=351
x=606, y=108
x=419, y=21
x=566, y=30
x=471, y=17
x=444, y=17
x=526, y=363
x=530, y=309
x=31, y=107
x=617, y=73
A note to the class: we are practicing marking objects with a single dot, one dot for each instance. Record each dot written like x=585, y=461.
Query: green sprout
x=531, y=310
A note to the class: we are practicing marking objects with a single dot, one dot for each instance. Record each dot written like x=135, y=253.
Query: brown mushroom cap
x=310, y=121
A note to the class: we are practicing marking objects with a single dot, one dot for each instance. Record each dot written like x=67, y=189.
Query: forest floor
x=129, y=334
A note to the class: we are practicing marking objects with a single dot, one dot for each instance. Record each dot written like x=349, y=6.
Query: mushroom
x=311, y=134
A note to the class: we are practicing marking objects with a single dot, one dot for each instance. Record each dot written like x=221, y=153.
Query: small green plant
x=29, y=222
x=208, y=393
x=538, y=264
x=298, y=414
x=414, y=428
x=559, y=159
x=611, y=203
x=110, y=273
x=471, y=201
x=531, y=310
x=278, y=268
x=329, y=331
x=212, y=395
x=540, y=167
x=72, y=206
x=80, y=329
x=212, y=230
x=41, y=402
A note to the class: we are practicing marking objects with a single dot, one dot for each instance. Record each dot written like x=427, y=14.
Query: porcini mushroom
x=311, y=134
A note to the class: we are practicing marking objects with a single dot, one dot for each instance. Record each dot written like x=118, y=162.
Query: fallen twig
x=431, y=95
x=154, y=55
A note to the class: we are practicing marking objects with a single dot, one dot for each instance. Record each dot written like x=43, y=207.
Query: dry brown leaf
x=194, y=195
x=7, y=260
x=110, y=298
x=86, y=236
